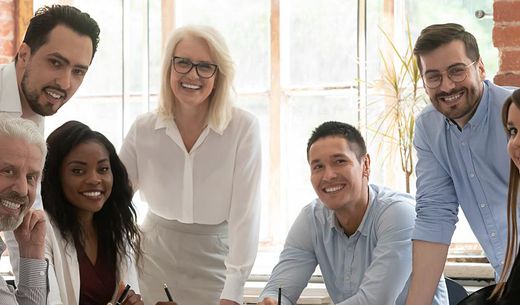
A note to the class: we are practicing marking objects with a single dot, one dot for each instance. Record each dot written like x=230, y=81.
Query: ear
x=366, y=166
x=481, y=69
x=24, y=53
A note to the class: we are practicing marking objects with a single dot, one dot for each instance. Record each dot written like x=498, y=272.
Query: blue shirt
x=468, y=167
x=371, y=266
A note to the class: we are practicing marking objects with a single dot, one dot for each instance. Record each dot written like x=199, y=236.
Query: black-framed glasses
x=184, y=65
x=456, y=73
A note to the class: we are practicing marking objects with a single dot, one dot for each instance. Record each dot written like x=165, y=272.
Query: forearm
x=427, y=265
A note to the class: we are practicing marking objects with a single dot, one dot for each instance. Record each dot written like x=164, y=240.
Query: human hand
x=133, y=298
x=268, y=301
x=227, y=302
x=30, y=235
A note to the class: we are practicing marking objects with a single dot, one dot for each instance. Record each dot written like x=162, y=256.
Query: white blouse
x=218, y=180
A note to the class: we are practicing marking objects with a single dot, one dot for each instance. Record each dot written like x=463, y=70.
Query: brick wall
x=506, y=37
x=7, y=30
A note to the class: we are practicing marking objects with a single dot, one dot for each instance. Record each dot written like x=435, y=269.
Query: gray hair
x=22, y=129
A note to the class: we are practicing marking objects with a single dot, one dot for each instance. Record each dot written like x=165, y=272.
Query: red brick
x=510, y=60
x=507, y=79
x=6, y=29
x=505, y=35
x=506, y=11
x=6, y=48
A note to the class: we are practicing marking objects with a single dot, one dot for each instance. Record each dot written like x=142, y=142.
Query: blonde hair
x=220, y=100
x=512, y=194
x=23, y=129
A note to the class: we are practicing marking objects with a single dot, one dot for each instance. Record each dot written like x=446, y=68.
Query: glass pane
x=319, y=42
x=462, y=12
x=249, y=45
x=304, y=113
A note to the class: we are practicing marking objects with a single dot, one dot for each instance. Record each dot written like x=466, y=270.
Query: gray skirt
x=189, y=258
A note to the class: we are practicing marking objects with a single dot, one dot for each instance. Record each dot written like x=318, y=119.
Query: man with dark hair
x=21, y=163
x=50, y=65
x=57, y=50
x=358, y=233
x=461, y=152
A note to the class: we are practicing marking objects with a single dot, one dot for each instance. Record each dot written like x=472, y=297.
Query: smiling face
x=190, y=90
x=20, y=169
x=457, y=101
x=338, y=177
x=86, y=177
x=50, y=76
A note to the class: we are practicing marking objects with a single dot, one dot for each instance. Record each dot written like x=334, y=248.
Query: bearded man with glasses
x=462, y=157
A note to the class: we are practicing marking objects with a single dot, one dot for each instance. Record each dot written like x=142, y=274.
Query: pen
x=168, y=293
x=280, y=295
x=123, y=295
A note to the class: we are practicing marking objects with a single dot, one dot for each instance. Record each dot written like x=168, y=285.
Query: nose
x=446, y=83
x=21, y=186
x=63, y=80
x=329, y=173
x=94, y=178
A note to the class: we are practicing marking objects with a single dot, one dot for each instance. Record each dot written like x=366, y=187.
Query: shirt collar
x=168, y=122
x=10, y=96
x=364, y=226
x=482, y=107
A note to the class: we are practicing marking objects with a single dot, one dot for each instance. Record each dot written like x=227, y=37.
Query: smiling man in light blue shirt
x=461, y=152
x=359, y=234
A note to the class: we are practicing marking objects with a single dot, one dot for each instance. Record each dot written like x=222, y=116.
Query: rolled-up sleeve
x=437, y=205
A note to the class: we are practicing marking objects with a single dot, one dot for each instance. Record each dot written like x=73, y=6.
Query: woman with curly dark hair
x=93, y=240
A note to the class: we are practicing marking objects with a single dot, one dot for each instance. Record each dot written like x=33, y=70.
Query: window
x=297, y=66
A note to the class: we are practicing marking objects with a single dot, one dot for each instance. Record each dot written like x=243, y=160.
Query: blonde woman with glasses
x=196, y=161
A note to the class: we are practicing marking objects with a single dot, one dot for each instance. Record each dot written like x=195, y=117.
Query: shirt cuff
x=434, y=233
x=270, y=294
x=233, y=289
x=33, y=272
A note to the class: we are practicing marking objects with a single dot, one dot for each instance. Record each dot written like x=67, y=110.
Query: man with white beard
x=21, y=163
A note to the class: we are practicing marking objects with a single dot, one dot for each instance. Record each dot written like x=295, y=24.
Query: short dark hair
x=338, y=129
x=116, y=221
x=47, y=18
x=437, y=35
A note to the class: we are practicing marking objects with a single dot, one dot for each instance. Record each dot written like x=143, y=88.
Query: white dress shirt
x=217, y=181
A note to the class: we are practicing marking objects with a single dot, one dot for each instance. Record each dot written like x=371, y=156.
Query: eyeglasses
x=184, y=65
x=456, y=73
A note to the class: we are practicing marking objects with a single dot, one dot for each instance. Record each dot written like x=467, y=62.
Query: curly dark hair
x=116, y=222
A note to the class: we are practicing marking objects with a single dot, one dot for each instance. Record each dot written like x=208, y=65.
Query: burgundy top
x=97, y=282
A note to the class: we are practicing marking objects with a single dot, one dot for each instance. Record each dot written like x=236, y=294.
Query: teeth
x=10, y=204
x=53, y=94
x=92, y=194
x=451, y=98
x=190, y=86
x=333, y=189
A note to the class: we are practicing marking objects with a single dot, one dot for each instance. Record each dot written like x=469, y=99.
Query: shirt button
x=493, y=234
x=482, y=205
x=463, y=143
x=42, y=273
x=472, y=175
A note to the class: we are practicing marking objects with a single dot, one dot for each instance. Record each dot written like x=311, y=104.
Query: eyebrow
x=449, y=67
x=85, y=163
x=64, y=59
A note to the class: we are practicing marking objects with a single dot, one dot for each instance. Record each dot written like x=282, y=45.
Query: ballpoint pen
x=168, y=295
x=123, y=295
x=280, y=295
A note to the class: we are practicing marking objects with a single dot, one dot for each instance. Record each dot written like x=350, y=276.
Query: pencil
x=123, y=295
x=280, y=295
x=168, y=295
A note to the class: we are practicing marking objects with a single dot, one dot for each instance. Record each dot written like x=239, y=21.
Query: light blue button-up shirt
x=468, y=167
x=371, y=266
